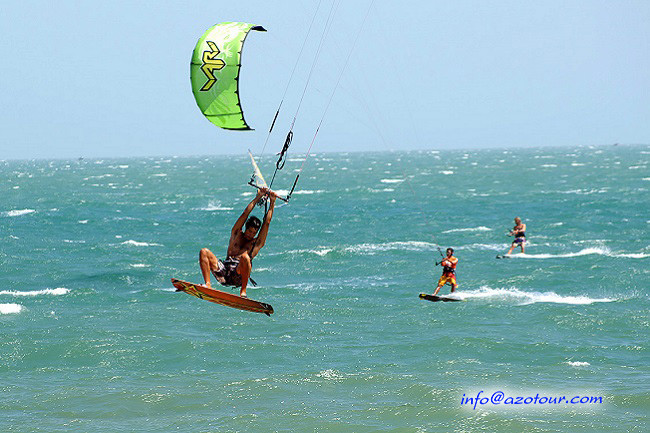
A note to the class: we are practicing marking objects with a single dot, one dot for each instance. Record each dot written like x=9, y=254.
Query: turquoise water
x=93, y=337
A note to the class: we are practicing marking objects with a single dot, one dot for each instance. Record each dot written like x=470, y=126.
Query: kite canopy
x=214, y=73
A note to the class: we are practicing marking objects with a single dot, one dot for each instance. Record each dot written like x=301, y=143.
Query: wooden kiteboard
x=223, y=298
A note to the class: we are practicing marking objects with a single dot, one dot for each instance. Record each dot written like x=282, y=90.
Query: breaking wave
x=56, y=292
x=10, y=308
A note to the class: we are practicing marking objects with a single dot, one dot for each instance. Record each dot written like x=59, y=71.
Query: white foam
x=140, y=244
x=392, y=180
x=56, y=292
x=330, y=374
x=583, y=191
x=381, y=190
x=14, y=213
x=490, y=247
x=388, y=246
x=10, y=308
x=470, y=229
x=632, y=255
x=446, y=172
x=139, y=265
x=283, y=192
x=371, y=248
x=578, y=363
x=320, y=251
x=584, y=252
x=527, y=298
x=215, y=205
x=98, y=177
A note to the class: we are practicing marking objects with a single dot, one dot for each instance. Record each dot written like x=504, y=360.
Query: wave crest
x=10, y=308
x=55, y=292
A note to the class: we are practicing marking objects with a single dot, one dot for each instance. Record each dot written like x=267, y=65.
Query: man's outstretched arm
x=244, y=216
x=264, y=231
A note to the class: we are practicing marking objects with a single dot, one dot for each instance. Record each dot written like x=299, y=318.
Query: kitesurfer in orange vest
x=448, y=272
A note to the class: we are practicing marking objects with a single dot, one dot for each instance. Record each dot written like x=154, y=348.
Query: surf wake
x=527, y=298
x=584, y=252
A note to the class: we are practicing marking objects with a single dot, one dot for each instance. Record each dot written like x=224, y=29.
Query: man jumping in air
x=243, y=247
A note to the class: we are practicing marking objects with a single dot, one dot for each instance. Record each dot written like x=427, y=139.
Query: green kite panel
x=214, y=73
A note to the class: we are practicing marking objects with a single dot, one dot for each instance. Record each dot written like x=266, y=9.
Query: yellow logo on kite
x=211, y=64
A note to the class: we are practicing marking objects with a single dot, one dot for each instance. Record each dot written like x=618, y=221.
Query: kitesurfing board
x=223, y=298
x=433, y=298
x=503, y=256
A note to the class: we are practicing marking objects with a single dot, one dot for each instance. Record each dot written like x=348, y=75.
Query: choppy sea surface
x=94, y=338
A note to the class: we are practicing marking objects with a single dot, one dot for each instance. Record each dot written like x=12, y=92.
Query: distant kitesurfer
x=243, y=247
x=448, y=271
x=519, y=232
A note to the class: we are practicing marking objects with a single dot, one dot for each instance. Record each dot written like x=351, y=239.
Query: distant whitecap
x=140, y=244
x=18, y=212
x=10, y=308
x=54, y=292
x=578, y=363
x=215, y=205
x=470, y=229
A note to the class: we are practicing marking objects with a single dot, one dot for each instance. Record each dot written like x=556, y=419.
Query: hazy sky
x=111, y=79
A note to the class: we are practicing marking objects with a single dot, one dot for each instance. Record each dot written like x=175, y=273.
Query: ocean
x=93, y=337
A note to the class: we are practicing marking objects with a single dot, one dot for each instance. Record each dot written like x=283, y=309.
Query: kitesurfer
x=448, y=271
x=519, y=232
x=243, y=247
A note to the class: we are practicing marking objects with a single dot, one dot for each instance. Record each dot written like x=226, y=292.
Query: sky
x=111, y=79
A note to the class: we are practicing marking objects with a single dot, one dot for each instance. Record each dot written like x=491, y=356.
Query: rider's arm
x=242, y=219
x=264, y=231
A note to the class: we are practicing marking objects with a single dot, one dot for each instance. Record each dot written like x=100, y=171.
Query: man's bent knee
x=245, y=259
